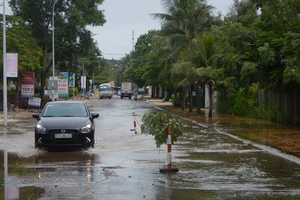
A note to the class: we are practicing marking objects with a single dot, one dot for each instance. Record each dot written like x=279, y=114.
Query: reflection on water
x=27, y=176
x=218, y=166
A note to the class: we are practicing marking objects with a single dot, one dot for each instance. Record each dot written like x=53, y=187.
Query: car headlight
x=86, y=129
x=40, y=129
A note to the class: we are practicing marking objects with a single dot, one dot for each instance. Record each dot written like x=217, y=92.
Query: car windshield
x=65, y=110
x=105, y=88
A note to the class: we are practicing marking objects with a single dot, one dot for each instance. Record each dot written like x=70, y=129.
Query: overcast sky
x=123, y=17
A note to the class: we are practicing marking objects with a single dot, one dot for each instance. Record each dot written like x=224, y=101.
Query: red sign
x=27, y=84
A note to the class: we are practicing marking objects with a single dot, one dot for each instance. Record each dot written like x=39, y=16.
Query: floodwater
x=216, y=160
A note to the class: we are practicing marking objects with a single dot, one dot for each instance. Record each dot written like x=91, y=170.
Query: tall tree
x=139, y=59
x=70, y=20
x=280, y=45
x=19, y=40
x=180, y=24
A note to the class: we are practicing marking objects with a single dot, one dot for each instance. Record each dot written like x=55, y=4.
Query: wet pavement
x=216, y=160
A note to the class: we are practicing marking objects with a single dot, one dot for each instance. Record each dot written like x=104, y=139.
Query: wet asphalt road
x=123, y=165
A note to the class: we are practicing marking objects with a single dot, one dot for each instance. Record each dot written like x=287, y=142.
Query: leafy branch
x=156, y=123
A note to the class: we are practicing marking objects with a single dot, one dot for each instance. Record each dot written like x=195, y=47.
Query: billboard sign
x=34, y=102
x=11, y=65
x=53, y=92
x=27, y=84
x=63, y=84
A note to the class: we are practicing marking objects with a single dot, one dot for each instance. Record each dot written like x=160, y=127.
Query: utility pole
x=4, y=69
x=84, y=80
x=132, y=40
x=53, y=52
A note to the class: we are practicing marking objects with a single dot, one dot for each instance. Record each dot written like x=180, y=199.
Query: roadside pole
x=169, y=156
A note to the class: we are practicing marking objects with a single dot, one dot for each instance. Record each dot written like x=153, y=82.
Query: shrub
x=156, y=123
x=176, y=100
x=71, y=92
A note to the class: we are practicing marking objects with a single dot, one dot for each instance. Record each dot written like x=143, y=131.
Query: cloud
x=124, y=16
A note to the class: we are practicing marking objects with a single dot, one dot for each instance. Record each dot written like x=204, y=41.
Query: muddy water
x=213, y=162
x=279, y=136
x=226, y=168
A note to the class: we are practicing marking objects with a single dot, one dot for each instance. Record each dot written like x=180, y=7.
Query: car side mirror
x=94, y=115
x=36, y=116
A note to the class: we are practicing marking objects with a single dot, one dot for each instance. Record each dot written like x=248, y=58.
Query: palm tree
x=187, y=71
x=197, y=67
x=206, y=49
x=182, y=21
x=180, y=24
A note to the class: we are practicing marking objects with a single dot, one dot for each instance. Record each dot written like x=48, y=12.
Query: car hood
x=64, y=122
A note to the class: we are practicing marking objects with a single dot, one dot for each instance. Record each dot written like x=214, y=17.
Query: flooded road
x=212, y=163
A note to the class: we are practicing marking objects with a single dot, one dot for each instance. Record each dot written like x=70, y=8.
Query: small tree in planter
x=156, y=123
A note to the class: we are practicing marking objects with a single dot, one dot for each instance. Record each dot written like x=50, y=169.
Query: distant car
x=141, y=91
x=105, y=91
x=65, y=124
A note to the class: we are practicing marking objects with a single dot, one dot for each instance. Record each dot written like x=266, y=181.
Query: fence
x=282, y=106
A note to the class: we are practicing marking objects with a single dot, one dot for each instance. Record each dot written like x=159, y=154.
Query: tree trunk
x=197, y=97
x=210, y=93
x=17, y=92
x=190, y=99
x=156, y=95
x=183, y=101
x=43, y=82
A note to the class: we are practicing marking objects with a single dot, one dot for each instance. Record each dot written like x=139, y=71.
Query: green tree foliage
x=156, y=123
x=278, y=28
x=244, y=12
x=140, y=59
x=181, y=24
x=20, y=40
x=72, y=39
x=121, y=68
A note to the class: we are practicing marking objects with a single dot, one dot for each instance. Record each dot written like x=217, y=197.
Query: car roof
x=66, y=102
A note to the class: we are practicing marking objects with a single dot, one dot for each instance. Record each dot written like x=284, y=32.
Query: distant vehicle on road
x=105, y=91
x=126, y=90
x=65, y=124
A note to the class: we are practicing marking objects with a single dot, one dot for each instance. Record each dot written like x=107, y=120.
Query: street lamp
x=53, y=52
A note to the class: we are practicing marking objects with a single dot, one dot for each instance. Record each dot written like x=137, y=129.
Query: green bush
x=245, y=104
x=156, y=123
x=273, y=113
x=241, y=102
x=46, y=98
x=11, y=92
x=176, y=100
x=71, y=92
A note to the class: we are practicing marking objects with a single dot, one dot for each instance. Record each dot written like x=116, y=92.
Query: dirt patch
x=18, y=117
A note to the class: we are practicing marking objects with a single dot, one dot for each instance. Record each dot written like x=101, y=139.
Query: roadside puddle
x=283, y=137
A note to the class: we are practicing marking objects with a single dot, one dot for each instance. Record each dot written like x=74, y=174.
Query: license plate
x=65, y=135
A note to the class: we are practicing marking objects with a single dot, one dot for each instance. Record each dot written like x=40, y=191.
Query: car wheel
x=35, y=142
x=93, y=141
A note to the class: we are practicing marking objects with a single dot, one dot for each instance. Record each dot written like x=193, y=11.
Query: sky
x=126, y=20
